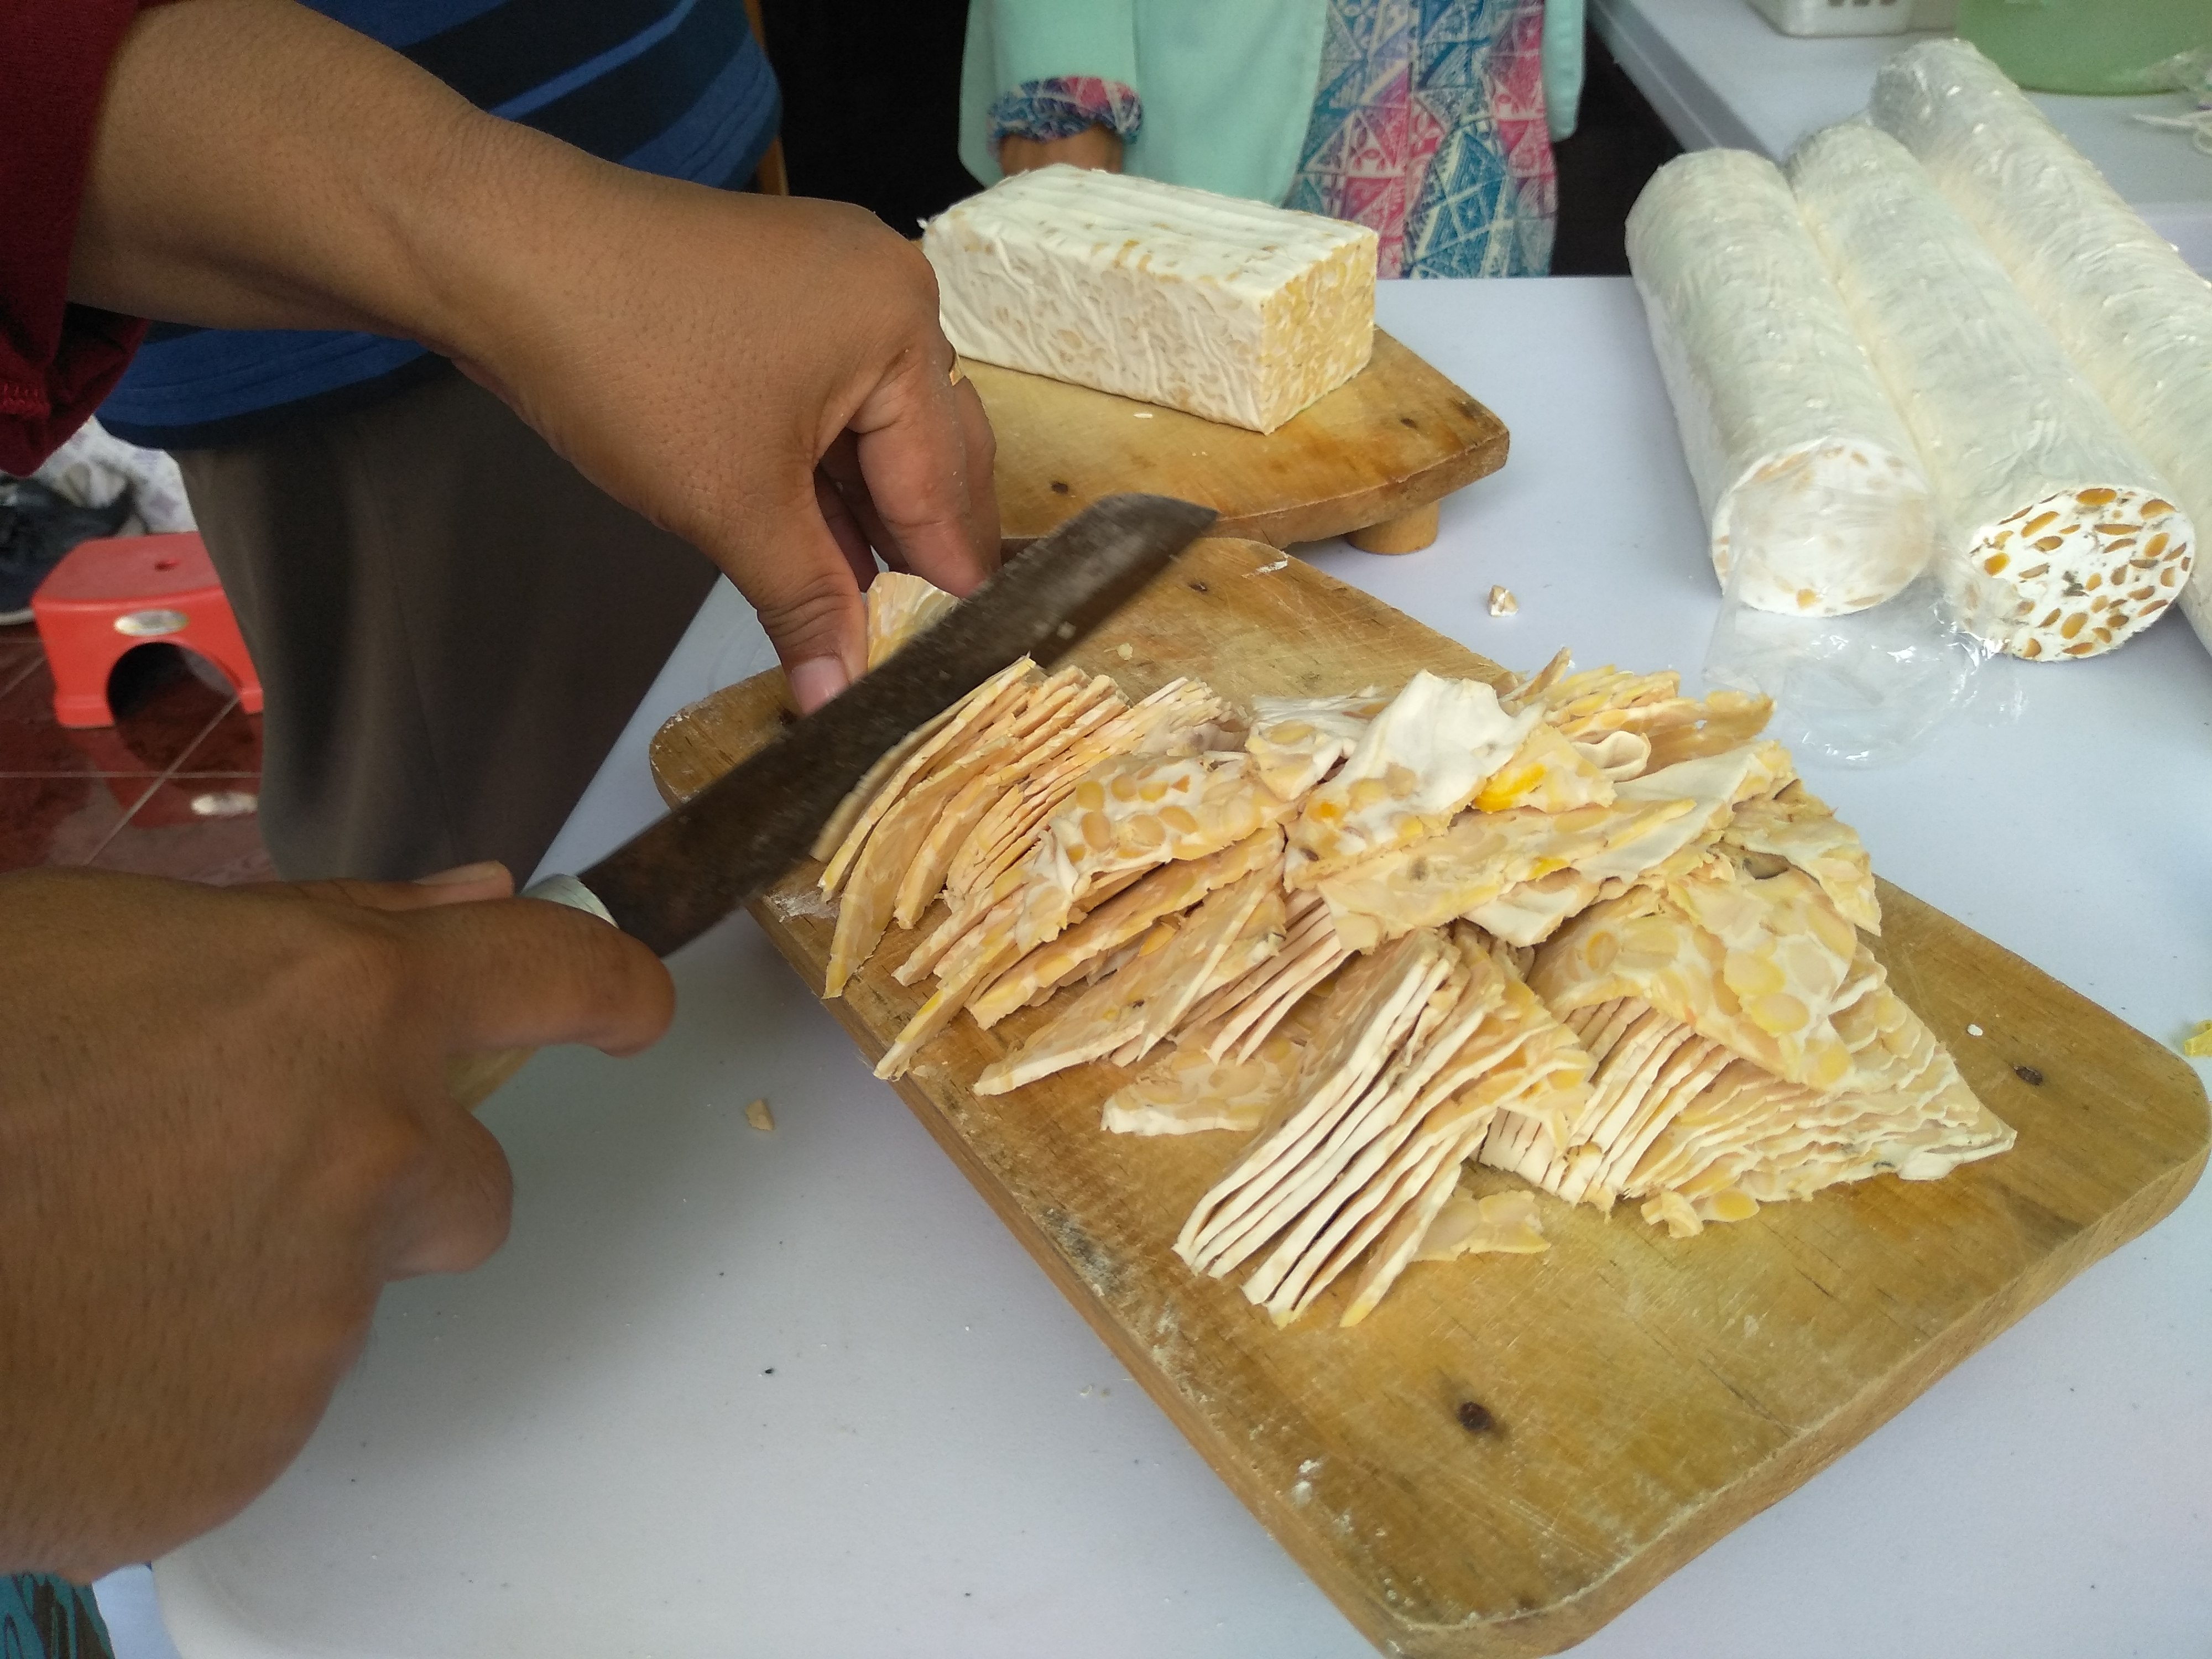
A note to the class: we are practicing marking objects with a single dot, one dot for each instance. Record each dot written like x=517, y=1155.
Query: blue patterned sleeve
x=1062, y=105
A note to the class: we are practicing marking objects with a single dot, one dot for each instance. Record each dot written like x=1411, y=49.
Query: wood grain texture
x=1395, y=438
x=1645, y=1394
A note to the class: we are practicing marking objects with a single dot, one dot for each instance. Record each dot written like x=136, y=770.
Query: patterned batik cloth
x=1062, y=105
x=47, y=1618
x=1429, y=128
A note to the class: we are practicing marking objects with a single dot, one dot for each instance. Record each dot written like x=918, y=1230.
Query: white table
x=580, y=1450
x=1719, y=74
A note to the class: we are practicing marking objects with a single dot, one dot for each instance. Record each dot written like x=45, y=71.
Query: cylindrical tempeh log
x=2134, y=319
x=2057, y=527
x=1805, y=472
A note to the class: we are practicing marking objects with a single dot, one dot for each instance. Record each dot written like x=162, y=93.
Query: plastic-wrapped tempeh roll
x=2136, y=319
x=1805, y=473
x=2057, y=529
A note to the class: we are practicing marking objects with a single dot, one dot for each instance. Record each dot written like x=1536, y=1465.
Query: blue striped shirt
x=678, y=87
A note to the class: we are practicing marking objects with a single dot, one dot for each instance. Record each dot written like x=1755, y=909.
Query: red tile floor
x=170, y=789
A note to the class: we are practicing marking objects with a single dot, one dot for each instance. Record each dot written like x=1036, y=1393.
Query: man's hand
x=1096, y=148
x=765, y=377
x=223, y=1126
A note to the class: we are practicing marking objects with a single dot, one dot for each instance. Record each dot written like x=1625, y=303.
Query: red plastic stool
x=108, y=596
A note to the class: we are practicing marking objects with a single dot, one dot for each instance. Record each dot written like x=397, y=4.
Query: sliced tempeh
x=1415, y=1083
x=1159, y=892
x=1548, y=772
x=1421, y=760
x=1796, y=825
x=1379, y=1001
x=1048, y=720
x=1394, y=1250
x=1147, y=995
x=969, y=715
x=1505, y=1223
x=1484, y=855
x=1296, y=742
x=864, y=909
x=901, y=607
x=1188, y=1091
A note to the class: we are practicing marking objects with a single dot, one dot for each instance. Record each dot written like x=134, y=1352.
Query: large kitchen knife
x=729, y=842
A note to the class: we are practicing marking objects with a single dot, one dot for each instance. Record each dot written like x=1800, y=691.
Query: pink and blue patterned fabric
x=1429, y=128
x=1062, y=105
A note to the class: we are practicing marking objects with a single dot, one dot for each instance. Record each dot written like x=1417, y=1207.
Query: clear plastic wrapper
x=1868, y=688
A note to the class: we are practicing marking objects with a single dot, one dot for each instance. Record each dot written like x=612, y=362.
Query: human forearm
x=698, y=353
x=258, y=165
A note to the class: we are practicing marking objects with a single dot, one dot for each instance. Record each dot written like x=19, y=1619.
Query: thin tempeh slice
x=1378, y=1004
x=864, y=910
x=1153, y=989
x=1305, y=920
x=1032, y=730
x=985, y=703
x=901, y=607
x=1394, y=1251
x=1187, y=1092
x=933, y=1015
x=1296, y=741
x=1154, y=894
x=1421, y=760
x=1403, y=1094
x=1449, y=1134
x=1505, y=1223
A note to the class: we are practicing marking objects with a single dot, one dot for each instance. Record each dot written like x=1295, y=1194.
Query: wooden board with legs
x=1370, y=460
x=1512, y=1449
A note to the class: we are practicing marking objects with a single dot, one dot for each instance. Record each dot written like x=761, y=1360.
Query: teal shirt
x=42, y=1616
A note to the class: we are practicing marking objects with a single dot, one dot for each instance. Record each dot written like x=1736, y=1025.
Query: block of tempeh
x=1233, y=310
x=2059, y=534
x=2134, y=319
x=1812, y=490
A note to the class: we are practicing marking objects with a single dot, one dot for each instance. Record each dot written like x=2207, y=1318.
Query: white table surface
x=580, y=1448
x=1719, y=75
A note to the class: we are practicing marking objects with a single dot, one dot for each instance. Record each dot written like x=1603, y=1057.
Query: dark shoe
x=38, y=527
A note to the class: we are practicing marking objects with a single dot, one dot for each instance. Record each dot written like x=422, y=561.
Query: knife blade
x=736, y=837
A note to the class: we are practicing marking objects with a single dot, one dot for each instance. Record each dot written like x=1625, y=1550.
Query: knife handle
x=472, y=1078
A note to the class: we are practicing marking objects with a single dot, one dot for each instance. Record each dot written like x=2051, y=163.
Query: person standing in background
x=1429, y=121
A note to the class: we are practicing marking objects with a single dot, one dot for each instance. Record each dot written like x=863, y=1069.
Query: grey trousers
x=451, y=626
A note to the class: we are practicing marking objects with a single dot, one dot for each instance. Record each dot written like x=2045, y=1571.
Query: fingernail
x=465, y=875
x=816, y=680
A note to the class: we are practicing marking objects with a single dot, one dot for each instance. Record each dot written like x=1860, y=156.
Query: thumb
x=800, y=581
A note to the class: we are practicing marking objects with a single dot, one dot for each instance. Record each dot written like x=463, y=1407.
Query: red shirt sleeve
x=57, y=359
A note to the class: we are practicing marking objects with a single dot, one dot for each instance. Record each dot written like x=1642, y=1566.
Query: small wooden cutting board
x=1640, y=1395
x=1377, y=454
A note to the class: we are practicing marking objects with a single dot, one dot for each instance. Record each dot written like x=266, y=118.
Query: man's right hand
x=224, y=1125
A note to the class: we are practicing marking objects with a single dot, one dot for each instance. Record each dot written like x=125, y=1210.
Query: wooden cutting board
x=1644, y=1395
x=1372, y=459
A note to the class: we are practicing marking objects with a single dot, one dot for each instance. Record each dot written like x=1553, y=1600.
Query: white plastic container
x=1814, y=17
